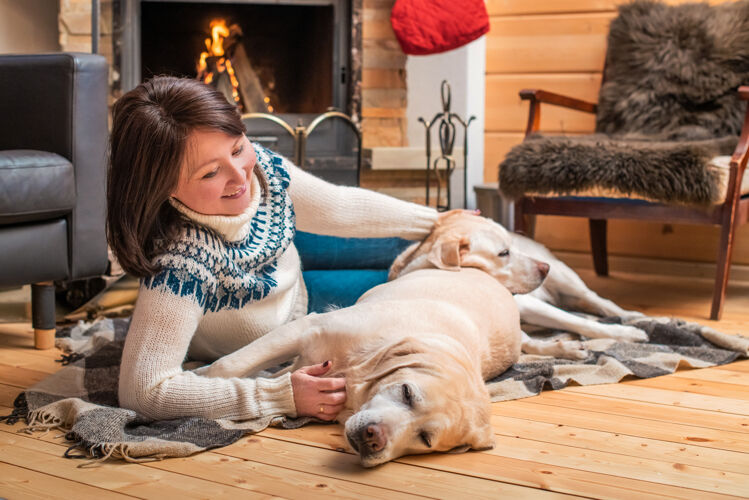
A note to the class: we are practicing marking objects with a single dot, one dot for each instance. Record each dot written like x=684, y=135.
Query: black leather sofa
x=53, y=133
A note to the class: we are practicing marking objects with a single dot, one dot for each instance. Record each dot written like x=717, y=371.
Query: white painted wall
x=28, y=26
x=464, y=69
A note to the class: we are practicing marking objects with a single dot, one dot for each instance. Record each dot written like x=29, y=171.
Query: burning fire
x=225, y=63
x=215, y=48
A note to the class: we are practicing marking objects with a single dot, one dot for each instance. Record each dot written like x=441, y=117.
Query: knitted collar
x=232, y=228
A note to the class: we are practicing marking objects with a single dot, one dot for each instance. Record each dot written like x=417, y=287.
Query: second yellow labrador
x=415, y=353
x=461, y=240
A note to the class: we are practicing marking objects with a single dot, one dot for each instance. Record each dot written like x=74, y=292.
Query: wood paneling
x=539, y=45
x=505, y=112
x=519, y=7
x=379, y=78
x=383, y=78
x=544, y=7
x=641, y=239
x=496, y=146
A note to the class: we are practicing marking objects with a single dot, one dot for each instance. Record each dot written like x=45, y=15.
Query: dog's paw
x=630, y=316
x=626, y=333
x=565, y=349
x=570, y=349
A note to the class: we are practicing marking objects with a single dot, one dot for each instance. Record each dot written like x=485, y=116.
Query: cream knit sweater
x=229, y=280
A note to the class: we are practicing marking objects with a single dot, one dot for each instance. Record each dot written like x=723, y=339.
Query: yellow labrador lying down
x=461, y=240
x=415, y=353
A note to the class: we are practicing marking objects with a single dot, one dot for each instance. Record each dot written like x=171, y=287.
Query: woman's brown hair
x=150, y=128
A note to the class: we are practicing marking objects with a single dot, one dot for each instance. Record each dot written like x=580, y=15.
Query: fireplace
x=290, y=58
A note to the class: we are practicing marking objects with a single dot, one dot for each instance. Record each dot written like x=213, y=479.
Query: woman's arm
x=153, y=383
x=324, y=208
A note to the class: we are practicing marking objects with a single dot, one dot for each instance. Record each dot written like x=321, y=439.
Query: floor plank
x=667, y=397
x=130, y=479
x=249, y=475
x=394, y=476
x=622, y=442
x=19, y=483
x=723, y=375
x=626, y=425
x=499, y=466
x=685, y=384
x=289, y=471
x=655, y=411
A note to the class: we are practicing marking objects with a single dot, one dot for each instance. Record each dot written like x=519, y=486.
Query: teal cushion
x=337, y=271
x=330, y=252
x=340, y=287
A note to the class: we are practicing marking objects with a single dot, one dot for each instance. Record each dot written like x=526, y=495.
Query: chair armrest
x=58, y=103
x=536, y=97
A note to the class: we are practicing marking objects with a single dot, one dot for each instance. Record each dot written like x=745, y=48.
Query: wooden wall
x=383, y=78
x=559, y=45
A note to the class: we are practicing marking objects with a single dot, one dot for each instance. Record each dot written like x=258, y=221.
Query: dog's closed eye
x=426, y=439
x=504, y=253
x=407, y=395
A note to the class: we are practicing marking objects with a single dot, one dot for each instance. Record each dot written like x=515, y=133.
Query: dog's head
x=461, y=239
x=422, y=396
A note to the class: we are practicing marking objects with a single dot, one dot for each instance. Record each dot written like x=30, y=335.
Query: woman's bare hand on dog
x=315, y=396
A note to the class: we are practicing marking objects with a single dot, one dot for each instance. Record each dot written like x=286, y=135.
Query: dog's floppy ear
x=396, y=356
x=401, y=260
x=446, y=252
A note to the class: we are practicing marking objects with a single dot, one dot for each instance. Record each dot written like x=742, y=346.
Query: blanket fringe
x=66, y=359
x=20, y=410
x=42, y=420
x=101, y=452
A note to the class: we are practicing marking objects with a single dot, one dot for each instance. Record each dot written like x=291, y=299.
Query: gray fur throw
x=672, y=172
x=667, y=105
x=673, y=70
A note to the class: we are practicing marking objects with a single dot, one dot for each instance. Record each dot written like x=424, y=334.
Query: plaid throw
x=81, y=398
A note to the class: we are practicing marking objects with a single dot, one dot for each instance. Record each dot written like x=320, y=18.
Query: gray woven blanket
x=81, y=398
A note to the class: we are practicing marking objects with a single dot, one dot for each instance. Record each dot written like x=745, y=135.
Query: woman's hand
x=315, y=396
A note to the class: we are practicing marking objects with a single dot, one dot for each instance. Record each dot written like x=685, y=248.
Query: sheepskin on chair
x=667, y=105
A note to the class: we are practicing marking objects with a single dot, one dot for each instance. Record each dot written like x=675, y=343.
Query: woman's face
x=215, y=174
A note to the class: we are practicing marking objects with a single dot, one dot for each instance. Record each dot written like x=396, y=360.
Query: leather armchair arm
x=58, y=103
x=536, y=97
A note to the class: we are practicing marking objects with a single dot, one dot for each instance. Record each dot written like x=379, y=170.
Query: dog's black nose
x=543, y=269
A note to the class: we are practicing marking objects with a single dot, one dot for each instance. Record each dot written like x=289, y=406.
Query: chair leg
x=725, y=250
x=43, y=314
x=598, y=246
x=525, y=224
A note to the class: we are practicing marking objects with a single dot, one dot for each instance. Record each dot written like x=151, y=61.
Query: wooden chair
x=731, y=213
x=728, y=215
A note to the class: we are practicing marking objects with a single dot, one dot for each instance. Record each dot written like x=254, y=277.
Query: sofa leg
x=43, y=314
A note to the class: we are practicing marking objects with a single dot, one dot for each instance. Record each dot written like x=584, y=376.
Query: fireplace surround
x=305, y=53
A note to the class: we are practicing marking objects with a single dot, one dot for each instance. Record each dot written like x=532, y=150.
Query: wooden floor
x=683, y=436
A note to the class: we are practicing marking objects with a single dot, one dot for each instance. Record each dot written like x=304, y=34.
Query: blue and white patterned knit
x=220, y=274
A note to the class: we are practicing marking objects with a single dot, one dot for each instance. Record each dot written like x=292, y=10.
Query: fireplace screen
x=266, y=57
x=291, y=58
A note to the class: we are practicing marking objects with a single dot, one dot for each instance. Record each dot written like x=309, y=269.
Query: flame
x=215, y=48
x=219, y=31
x=220, y=63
